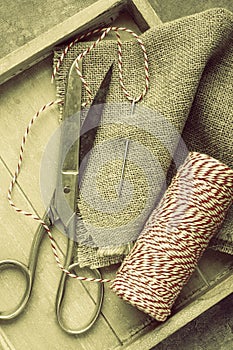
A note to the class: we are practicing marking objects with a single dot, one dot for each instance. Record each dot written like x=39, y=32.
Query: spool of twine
x=175, y=236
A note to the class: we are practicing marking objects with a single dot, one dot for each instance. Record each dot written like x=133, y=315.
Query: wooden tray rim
x=101, y=13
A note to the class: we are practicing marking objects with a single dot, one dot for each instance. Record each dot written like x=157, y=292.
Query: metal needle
x=125, y=155
x=123, y=167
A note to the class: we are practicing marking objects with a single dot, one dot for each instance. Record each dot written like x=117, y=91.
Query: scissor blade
x=92, y=121
x=73, y=92
x=75, y=144
x=102, y=92
x=64, y=202
x=71, y=123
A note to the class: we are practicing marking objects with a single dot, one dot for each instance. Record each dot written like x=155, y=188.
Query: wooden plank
x=15, y=239
x=143, y=14
x=40, y=47
x=101, y=13
x=20, y=99
x=5, y=343
x=38, y=324
x=213, y=266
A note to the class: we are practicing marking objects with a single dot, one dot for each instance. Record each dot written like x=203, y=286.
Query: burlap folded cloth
x=188, y=107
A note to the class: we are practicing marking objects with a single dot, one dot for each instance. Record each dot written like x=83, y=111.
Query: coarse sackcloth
x=190, y=94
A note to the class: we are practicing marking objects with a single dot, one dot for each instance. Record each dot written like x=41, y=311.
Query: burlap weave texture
x=190, y=94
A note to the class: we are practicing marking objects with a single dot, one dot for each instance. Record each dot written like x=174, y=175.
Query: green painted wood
x=37, y=327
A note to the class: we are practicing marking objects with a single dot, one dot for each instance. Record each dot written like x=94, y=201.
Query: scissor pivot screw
x=66, y=189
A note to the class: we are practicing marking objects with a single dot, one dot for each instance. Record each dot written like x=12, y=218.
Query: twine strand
x=105, y=31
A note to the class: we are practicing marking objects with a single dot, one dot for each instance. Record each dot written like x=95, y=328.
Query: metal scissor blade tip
x=102, y=92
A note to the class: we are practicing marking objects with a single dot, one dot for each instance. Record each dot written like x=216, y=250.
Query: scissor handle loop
x=59, y=300
x=14, y=264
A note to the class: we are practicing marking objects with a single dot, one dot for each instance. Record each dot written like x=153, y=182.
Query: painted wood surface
x=120, y=325
x=100, y=14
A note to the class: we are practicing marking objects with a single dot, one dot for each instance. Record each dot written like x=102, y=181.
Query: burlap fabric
x=190, y=94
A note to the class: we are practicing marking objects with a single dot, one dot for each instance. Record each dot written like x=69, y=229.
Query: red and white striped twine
x=49, y=104
x=105, y=31
x=175, y=236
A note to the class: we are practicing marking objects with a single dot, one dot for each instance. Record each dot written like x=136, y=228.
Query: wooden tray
x=102, y=13
x=120, y=326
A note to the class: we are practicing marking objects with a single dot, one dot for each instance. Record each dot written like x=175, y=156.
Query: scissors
x=76, y=142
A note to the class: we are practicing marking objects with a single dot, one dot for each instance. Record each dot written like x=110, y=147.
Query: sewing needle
x=125, y=154
x=123, y=167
